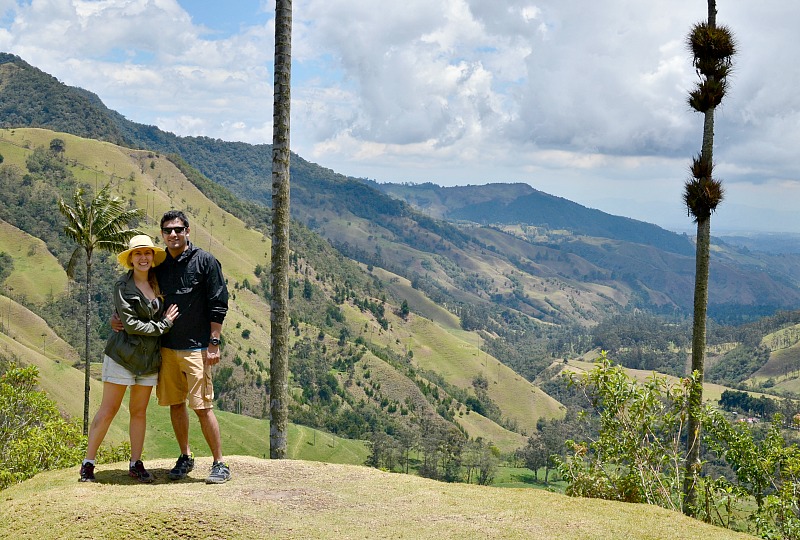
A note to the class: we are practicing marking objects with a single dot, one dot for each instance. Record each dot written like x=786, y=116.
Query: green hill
x=295, y=499
x=151, y=181
x=390, y=226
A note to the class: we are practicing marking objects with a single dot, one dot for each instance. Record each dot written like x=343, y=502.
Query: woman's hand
x=171, y=313
x=116, y=323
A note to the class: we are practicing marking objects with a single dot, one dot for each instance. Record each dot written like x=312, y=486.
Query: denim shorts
x=115, y=373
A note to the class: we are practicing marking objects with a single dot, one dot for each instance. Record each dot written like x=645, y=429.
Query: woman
x=132, y=357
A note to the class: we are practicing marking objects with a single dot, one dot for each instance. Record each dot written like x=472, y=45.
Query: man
x=192, y=279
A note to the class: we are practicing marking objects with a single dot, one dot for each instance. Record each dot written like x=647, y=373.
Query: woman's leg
x=140, y=398
x=112, y=399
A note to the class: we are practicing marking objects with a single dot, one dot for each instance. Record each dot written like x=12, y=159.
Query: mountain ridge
x=365, y=223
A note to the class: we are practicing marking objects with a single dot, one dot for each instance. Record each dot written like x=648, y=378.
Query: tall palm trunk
x=87, y=364
x=698, y=362
x=279, y=271
x=702, y=263
x=713, y=49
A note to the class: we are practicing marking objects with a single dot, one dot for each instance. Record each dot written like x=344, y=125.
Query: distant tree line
x=761, y=406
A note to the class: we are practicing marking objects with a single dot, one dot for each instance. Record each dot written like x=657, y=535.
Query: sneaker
x=184, y=466
x=220, y=473
x=87, y=472
x=138, y=471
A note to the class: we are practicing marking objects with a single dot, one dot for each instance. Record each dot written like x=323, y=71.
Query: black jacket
x=193, y=282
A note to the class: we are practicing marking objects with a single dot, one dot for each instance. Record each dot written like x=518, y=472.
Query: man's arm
x=212, y=353
x=216, y=291
x=218, y=307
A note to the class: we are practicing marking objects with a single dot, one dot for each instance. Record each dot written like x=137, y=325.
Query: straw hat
x=137, y=242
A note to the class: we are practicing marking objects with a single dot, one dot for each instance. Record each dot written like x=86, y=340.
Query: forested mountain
x=520, y=204
x=417, y=310
x=462, y=265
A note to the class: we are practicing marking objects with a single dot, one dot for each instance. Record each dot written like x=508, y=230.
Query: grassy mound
x=302, y=499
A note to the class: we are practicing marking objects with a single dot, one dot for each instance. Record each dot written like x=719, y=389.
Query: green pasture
x=37, y=274
x=459, y=362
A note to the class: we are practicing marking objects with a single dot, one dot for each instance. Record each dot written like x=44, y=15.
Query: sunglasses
x=170, y=230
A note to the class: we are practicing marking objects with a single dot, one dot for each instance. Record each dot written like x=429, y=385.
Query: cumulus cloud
x=583, y=99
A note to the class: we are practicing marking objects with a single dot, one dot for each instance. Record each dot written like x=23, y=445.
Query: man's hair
x=175, y=214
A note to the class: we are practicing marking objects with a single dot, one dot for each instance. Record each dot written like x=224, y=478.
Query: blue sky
x=583, y=100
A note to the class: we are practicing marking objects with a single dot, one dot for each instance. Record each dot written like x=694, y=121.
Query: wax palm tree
x=712, y=49
x=102, y=225
x=279, y=271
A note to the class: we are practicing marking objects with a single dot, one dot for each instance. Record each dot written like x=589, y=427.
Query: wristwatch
x=214, y=341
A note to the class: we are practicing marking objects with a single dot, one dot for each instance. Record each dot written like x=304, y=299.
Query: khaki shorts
x=183, y=375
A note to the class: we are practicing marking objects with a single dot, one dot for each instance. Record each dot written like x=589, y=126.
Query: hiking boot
x=87, y=472
x=183, y=466
x=220, y=473
x=138, y=471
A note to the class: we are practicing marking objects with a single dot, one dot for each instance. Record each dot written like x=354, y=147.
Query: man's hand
x=212, y=355
x=116, y=323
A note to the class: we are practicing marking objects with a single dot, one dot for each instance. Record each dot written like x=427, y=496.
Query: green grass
x=782, y=364
x=419, y=303
x=459, y=362
x=37, y=272
x=303, y=499
x=479, y=426
x=520, y=477
x=28, y=331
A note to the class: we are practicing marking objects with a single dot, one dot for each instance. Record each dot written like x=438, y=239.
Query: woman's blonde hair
x=151, y=279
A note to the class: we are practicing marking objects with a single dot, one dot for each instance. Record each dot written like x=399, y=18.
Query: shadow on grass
x=161, y=476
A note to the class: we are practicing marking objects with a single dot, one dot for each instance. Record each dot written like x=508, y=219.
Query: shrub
x=34, y=437
x=637, y=456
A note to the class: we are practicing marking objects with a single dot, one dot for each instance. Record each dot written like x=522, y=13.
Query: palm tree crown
x=100, y=225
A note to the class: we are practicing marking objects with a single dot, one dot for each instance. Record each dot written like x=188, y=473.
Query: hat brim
x=159, y=256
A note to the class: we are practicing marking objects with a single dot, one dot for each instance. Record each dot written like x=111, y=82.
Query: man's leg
x=210, y=427
x=179, y=416
x=220, y=473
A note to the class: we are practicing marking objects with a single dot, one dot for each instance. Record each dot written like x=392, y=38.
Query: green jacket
x=137, y=348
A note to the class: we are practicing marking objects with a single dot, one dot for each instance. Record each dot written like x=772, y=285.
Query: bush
x=34, y=437
x=638, y=456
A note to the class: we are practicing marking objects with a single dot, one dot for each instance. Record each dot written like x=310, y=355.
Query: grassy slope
x=295, y=499
x=37, y=272
x=784, y=361
x=419, y=303
x=480, y=426
x=711, y=392
x=30, y=332
x=783, y=366
x=460, y=362
x=240, y=434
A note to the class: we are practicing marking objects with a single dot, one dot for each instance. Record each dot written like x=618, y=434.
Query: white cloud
x=586, y=98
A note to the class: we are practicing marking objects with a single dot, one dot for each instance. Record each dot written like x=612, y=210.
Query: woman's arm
x=131, y=321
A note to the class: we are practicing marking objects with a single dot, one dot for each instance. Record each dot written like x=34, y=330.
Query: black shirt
x=193, y=282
